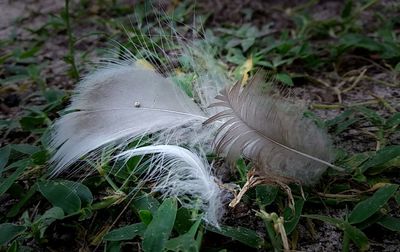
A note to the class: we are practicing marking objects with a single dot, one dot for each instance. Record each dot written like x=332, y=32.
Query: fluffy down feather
x=179, y=172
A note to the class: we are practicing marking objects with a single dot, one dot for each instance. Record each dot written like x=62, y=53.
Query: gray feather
x=271, y=131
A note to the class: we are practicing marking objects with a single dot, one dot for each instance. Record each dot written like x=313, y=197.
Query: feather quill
x=271, y=131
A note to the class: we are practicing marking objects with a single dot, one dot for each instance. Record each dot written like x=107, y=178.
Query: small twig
x=340, y=106
x=337, y=196
x=253, y=179
x=384, y=103
x=355, y=82
x=388, y=84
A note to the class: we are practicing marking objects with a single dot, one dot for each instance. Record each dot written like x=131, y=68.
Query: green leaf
x=185, y=242
x=14, y=247
x=347, y=10
x=53, y=213
x=244, y=235
x=81, y=190
x=113, y=246
x=291, y=219
x=61, y=196
x=158, y=231
x=40, y=157
x=41, y=223
x=7, y=183
x=266, y=194
x=381, y=157
x=4, y=155
x=357, y=236
x=125, y=233
x=146, y=202
x=368, y=207
x=397, y=67
x=361, y=41
x=371, y=115
x=397, y=198
x=342, y=126
x=30, y=123
x=54, y=95
x=25, y=148
x=9, y=231
x=390, y=223
x=183, y=221
x=145, y=216
x=247, y=43
x=394, y=120
x=22, y=201
x=284, y=78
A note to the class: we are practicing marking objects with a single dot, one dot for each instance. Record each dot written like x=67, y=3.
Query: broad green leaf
x=4, y=155
x=30, y=123
x=60, y=195
x=40, y=157
x=25, y=148
x=355, y=160
x=159, y=230
x=291, y=219
x=145, y=216
x=266, y=194
x=347, y=9
x=360, y=41
x=381, y=157
x=113, y=246
x=14, y=247
x=185, y=242
x=357, y=236
x=81, y=190
x=368, y=207
x=54, y=95
x=183, y=221
x=244, y=235
x=53, y=213
x=390, y=223
x=125, y=233
x=397, y=198
x=247, y=43
x=146, y=202
x=41, y=223
x=7, y=183
x=9, y=231
x=284, y=78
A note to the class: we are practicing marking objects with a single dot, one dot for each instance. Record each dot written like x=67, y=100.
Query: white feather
x=115, y=105
x=179, y=172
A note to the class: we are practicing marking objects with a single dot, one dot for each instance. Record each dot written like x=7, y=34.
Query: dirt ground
x=19, y=18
